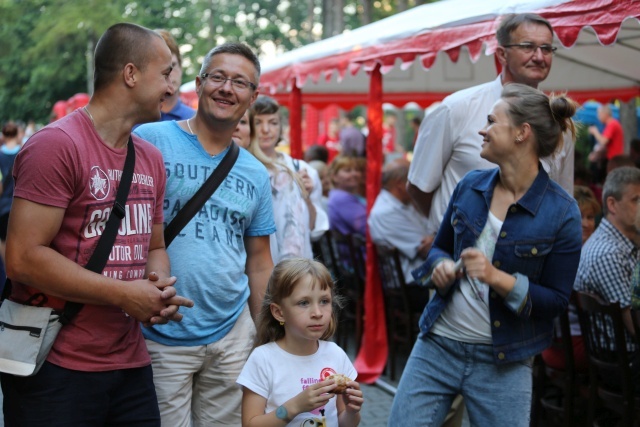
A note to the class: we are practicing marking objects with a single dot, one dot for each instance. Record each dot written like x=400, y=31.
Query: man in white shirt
x=448, y=144
x=394, y=221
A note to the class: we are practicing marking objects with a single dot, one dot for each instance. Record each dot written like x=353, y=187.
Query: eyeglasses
x=529, y=48
x=219, y=80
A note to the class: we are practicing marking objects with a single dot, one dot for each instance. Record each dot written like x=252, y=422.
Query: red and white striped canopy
x=435, y=49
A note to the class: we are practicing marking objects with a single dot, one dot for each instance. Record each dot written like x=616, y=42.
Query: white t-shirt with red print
x=278, y=376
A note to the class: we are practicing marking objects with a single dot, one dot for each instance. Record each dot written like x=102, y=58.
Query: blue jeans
x=56, y=396
x=440, y=368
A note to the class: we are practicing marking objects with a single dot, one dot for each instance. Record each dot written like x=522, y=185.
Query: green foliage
x=45, y=43
x=583, y=144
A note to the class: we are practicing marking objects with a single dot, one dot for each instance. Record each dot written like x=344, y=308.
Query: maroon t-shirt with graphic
x=67, y=165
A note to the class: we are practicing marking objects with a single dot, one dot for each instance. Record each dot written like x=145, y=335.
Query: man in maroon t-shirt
x=98, y=371
x=610, y=142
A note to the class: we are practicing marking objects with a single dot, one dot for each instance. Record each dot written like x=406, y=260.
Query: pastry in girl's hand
x=341, y=383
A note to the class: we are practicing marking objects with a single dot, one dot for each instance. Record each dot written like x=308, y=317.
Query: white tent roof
x=599, y=44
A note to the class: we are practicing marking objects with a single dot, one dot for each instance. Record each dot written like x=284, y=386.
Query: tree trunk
x=311, y=19
x=90, y=69
x=212, y=22
x=338, y=17
x=367, y=12
x=327, y=19
x=401, y=6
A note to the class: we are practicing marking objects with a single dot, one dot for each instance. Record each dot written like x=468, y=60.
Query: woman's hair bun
x=562, y=109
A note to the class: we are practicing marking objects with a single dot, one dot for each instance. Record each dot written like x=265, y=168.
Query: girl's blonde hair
x=284, y=278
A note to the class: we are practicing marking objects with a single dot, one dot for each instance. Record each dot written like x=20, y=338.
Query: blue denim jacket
x=539, y=244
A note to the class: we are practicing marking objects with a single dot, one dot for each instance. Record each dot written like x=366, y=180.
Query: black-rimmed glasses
x=529, y=48
x=219, y=80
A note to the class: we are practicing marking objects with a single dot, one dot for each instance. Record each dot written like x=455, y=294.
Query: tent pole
x=295, y=121
x=372, y=357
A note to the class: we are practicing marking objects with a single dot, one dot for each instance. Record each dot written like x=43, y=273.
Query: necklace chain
x=86, y=110
x=189, y=126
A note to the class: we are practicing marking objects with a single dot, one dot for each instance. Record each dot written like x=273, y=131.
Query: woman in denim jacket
x=518, y=236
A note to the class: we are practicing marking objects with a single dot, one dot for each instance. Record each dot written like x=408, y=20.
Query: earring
x=281, y=323
x=518, y=139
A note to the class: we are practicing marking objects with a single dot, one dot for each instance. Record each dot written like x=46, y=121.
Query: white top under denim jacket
x=539, y=244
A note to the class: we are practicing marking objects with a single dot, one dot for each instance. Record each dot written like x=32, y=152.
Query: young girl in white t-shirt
x=286, y=379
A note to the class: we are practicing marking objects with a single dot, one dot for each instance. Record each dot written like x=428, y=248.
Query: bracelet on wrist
x=283, y=414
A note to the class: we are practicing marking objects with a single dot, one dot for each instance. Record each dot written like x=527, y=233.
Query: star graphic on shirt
x=98, y=184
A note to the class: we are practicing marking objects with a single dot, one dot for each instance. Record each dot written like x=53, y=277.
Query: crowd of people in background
x=237, y=291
